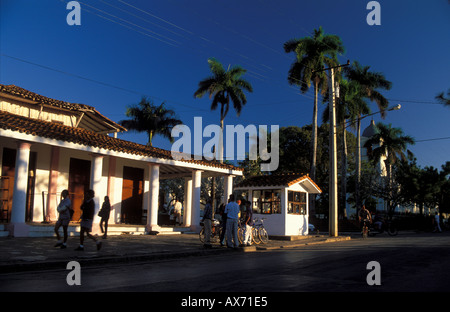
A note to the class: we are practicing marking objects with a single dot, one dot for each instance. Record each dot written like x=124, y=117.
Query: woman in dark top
x=104, y=215
x=87, y=218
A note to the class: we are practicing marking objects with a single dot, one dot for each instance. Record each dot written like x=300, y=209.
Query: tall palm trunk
x=344, y=172
x=358, y=163
x=312, y=174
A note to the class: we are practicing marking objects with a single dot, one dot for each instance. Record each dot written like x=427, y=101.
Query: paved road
x=414, y=262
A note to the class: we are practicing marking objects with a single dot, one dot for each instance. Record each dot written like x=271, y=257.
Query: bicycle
x=241, y=232
x=216, y=230
x=259, y=232
x=365, y=229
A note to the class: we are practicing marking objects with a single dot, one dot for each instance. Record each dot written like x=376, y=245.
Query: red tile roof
x=287, y=179
x=22, y=93
x=28, y=95
x=85, y=137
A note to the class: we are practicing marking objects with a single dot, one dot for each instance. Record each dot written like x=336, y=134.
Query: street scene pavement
x=22, y=254
x=175, y=270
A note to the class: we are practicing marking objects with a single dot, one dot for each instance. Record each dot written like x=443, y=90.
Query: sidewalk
x=34, y=253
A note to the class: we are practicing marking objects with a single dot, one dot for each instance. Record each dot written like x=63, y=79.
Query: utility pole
x=333, y=192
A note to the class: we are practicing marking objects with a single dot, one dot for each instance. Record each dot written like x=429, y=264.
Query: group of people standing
x=230, y=223
x=65, y=212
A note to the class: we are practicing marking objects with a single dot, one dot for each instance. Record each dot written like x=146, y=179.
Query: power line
x=95, y=81
x=433, y=139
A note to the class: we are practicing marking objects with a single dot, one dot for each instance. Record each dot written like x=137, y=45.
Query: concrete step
x=47, y=230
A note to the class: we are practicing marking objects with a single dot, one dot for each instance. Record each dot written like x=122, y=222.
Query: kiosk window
x=267, y=201
x=296, y=202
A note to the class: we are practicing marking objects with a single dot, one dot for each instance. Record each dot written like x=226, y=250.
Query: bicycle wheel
x=241, y=233
x=216, y=236
x=392, y=230
x=263, y=236
x=201, y=235
x=365, y=232
x=255, y=235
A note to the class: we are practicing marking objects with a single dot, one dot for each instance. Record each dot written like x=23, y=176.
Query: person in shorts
x=364, y=217
x=87, y=219
x=63, y=219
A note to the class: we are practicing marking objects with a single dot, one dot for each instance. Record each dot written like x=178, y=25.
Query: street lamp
x=393, y=108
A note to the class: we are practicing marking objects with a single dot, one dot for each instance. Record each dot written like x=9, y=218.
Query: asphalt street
x=407, y=263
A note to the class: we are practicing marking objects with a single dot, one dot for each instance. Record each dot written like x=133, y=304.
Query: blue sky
x=125, y=49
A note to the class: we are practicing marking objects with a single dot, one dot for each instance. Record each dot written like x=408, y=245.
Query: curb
x=327, y=240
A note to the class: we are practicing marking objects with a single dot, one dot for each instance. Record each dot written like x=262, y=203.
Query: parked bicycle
x=259, y=232
x=216, y=230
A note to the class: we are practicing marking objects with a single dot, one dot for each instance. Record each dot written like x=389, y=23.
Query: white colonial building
x=48, y=145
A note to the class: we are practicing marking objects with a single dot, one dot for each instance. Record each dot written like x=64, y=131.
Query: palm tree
x=146, y=117
x=224, y=86
x=350, y=103
x=444, y=100
x=390, y=143
x=312, y=53
x=369, y=83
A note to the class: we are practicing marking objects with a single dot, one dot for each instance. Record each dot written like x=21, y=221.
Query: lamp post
x=393, y=108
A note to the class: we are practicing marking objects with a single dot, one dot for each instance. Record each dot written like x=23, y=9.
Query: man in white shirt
x=232, y=210
x=177, y=211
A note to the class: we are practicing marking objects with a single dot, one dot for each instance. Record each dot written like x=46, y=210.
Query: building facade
x=48, y=145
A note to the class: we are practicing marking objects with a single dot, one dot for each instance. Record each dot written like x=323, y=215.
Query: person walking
x=63, y=218
x=207, y=218
x=248, y=221
x=104, y=215
x=232, y=211
x=224, y=224
x=177, y=212
x=87, y=218
x=437, y=226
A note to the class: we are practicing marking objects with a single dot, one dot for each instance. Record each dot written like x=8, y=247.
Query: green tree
x=391, y=144
x=152, y=119
x=368, y=85
x=444, y=100
x=224, y=86
x=312, y=53
x=350, y=103
x=444, y=199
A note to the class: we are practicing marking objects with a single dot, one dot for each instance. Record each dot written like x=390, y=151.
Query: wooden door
x=79, y=181
x=132, y=195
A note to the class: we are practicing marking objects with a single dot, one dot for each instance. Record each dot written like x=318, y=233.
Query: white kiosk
x=282, y=200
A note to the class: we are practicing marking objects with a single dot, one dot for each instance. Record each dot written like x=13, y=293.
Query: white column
x=227, y=188
x=18, y=228
x=187, y=202
x=195, y=208
x=152, y=210
x=98, y=187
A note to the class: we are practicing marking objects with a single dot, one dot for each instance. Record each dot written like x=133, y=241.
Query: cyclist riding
x=364, y=217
